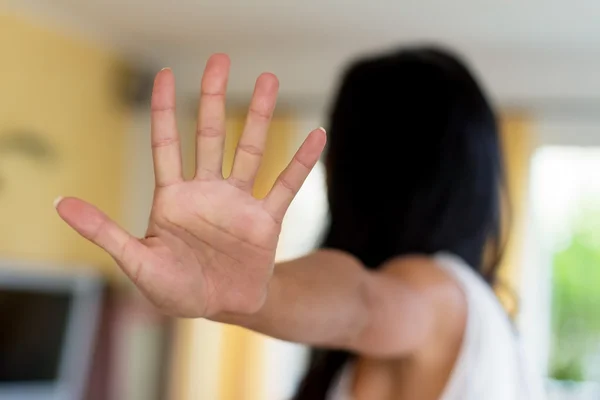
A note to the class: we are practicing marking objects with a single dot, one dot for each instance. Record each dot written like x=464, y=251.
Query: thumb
x=98, y=228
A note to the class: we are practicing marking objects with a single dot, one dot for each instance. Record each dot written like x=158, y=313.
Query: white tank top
x=490, y=364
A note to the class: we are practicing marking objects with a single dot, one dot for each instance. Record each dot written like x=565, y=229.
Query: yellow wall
x=65, y=91
x=517, y=144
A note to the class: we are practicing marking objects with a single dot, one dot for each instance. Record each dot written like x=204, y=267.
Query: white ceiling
x=526, y=50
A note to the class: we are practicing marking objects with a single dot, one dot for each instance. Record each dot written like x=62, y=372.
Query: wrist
x=253, y=311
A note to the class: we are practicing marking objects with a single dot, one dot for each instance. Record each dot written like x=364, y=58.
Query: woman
x=399, y=293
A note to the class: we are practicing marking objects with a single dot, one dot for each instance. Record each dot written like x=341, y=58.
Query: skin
x=209, y=252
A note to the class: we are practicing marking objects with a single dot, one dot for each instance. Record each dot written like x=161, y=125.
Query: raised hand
x=210, y=245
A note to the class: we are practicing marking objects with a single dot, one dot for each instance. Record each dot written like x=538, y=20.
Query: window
x=562, y=291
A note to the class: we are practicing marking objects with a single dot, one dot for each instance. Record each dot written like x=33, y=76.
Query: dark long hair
x=413, y=167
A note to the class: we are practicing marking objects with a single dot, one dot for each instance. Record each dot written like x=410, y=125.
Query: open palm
x=210, y=245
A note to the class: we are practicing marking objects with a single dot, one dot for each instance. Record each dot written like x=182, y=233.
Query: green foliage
x=568, y=372
x=576, y=299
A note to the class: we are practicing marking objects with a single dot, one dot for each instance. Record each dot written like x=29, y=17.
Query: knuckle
x=286, y=184
x=163, y=142
x=250, y=149
x=303, y=163
x=260, y=114
x=208, y=132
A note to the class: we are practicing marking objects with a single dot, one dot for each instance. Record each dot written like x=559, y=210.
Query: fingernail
x=323, y=129
x=57, y=201
x=165, y=68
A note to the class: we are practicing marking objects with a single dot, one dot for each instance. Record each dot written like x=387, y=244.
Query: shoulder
x=427, y=276
x=439, y=289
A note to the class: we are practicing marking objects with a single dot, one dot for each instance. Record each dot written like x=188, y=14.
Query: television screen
x=48, y=325
x=33, y=327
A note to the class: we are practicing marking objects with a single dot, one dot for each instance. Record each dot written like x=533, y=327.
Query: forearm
x=320, y=300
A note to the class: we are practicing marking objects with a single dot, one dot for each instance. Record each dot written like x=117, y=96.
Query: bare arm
x=329, y=299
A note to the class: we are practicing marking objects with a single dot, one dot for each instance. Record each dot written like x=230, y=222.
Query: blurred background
x=75, y=80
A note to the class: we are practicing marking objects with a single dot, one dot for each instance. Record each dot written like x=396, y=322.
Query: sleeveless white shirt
x=490, y=364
